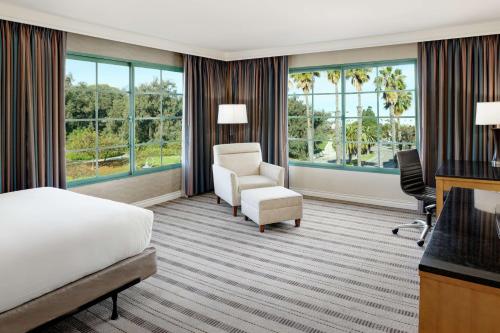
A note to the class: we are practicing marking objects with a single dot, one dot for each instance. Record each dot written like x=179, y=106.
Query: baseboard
x=358, y=199
x=159, y=199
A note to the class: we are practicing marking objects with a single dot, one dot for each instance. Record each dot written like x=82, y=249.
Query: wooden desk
x=460, y=268
x=465, y=174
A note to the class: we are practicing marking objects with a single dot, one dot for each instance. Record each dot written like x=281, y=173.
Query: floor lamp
x=232, y=114
x=488, y=113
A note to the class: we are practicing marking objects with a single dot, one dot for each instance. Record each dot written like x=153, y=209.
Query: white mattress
x=51, y=237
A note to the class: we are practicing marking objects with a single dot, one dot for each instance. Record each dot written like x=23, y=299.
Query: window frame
x=131, y=145
x=342, y=68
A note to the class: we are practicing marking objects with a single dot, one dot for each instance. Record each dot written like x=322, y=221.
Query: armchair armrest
x=225, y=184
x=274, y=172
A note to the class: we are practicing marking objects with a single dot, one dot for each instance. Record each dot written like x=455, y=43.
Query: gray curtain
x=261, y=84
x=31, y=107
x=455, y=74
x=204, y=89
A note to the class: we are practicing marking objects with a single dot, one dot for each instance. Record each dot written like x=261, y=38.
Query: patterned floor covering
x=341, y=271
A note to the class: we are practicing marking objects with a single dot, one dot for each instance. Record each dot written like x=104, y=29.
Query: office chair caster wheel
x=420, y=243
x=395, y=231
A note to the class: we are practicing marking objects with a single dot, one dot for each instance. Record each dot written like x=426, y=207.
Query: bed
x=61, y=252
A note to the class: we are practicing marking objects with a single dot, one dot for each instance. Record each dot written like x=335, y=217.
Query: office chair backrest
x=412, y=180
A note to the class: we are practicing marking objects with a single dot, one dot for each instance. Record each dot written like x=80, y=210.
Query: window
x=352, y=116
x=121, y=118
x=158, y=117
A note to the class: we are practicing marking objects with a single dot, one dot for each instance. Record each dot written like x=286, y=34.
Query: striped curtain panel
x=204, y=89
x=261, y=84
x=31, y=107
x=455, y=74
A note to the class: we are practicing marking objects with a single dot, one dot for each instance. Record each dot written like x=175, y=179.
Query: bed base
x=74, y=297
x=114, y=313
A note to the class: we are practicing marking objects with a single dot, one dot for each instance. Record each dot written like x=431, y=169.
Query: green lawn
x=145, y=156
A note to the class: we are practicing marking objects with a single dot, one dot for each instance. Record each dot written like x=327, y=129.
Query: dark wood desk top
x=465, y=243
x=469, y=169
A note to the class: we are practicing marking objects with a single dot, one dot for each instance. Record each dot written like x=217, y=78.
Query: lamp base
x=496, y=152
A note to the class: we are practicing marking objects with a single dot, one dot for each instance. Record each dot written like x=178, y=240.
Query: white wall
x=362, y=187
x=391, y=52
x=109, y=48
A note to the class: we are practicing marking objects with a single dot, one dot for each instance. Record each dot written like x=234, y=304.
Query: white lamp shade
x=488, y=113
x=232, y=114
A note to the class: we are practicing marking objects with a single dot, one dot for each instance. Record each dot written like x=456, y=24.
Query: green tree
x=297, y=128
x=370, y=128
x=78, y=139
x=392, y=83
x=403, y=103
x=113, y=103
x=305, y=81
x=334, y=77
x=368, y=135
x=359, y=76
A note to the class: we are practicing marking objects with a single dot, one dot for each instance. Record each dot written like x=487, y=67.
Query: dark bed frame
x=51, y=308
x=114, y=314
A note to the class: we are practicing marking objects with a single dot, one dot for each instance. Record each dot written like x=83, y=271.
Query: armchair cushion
x=249, y=182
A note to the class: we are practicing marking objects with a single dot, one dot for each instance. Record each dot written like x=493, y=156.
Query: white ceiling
x=237, y=29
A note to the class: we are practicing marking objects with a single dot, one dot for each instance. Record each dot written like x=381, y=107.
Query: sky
x=117, y=75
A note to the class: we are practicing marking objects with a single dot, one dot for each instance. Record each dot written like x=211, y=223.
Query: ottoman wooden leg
x=235, y=210
x=261, y=228
x=218, y=200
x=297, y=223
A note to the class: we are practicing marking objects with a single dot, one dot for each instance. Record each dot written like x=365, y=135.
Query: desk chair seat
x=412, y=183
x=427, y=195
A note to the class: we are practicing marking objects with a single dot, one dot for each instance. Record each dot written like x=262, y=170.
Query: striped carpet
x=341, y=271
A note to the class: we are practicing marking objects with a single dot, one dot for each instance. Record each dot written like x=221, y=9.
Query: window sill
x=102, y=179
x=343, y=167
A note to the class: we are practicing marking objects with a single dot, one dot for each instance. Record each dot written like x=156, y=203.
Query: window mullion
x=131, y=129
x=96, y=118
x=161, y=118
x=342, y=92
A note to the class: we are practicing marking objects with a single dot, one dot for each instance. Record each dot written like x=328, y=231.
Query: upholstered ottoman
x=268, y=205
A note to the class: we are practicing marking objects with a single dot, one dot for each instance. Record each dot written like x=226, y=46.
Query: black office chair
x=412, y=183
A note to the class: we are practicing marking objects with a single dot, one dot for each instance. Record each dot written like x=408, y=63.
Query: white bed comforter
x=51, y=237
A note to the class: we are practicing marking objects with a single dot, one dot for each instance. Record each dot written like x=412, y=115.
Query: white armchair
x=239, y=167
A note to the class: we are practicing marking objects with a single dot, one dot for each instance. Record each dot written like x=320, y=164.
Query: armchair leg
x=235, y=210
x=261, y=227
x=297, y=223
x=218, y=200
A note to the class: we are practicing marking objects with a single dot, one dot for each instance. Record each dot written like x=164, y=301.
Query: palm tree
x=305, y=81
x=403, y=104
x=395, y=100
x=359, y=76
x=334, y=78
